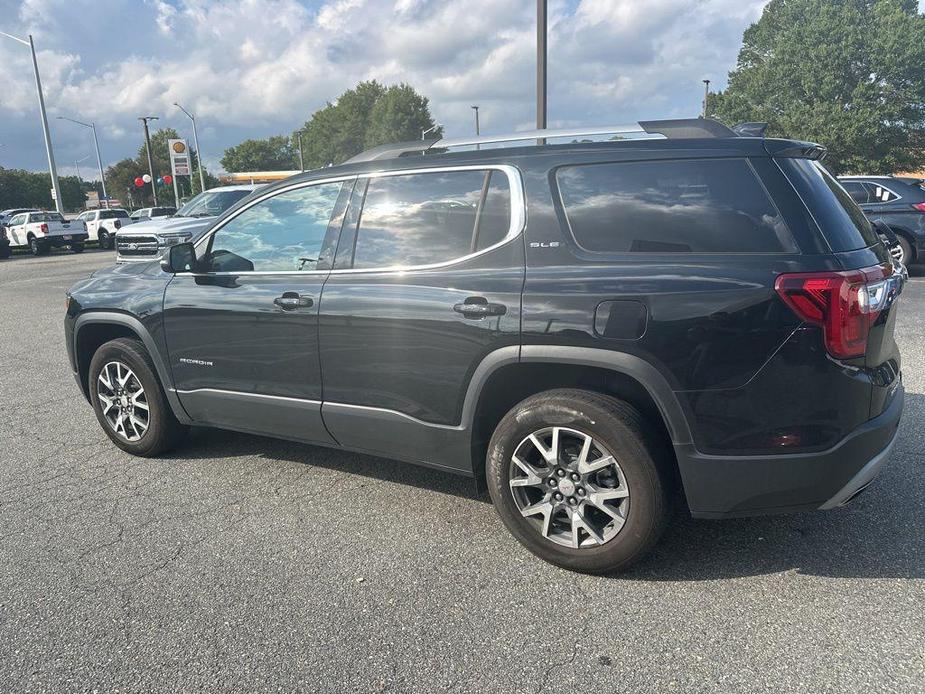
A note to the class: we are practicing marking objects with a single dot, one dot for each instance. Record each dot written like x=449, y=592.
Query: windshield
x=211, y=203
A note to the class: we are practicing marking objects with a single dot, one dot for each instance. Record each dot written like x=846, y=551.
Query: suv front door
x=427, y=282
x=242, y=332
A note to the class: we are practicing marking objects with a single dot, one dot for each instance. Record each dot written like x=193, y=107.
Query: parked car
x=146, y=213
x=694, y=314
x=102, y=225
x=5, y=251
x=7, y=215
x=42, y=231
x=148, y=240
x=900, y=202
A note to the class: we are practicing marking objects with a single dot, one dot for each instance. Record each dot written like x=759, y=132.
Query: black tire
x=104, y=241
x=641, y=456
x=36, y=246
x=77, y=247
x=5, y=252
x=908, y=257
x=164, y=431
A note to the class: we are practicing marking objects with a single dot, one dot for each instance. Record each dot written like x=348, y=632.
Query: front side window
x=686, y=206
x=280, y=234
x=17, y=220
x=427, y=218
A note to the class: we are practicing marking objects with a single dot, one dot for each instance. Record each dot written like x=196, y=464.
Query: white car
x=146, y=213
x=149, y=240
x=102, y=225
x=7, y=215
x=41, y=231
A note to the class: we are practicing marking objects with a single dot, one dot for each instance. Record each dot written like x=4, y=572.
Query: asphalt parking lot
x=249, y=564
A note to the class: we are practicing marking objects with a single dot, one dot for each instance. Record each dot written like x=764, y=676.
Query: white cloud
x=255, y=67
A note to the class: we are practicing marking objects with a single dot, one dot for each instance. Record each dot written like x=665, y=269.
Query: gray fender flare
x=136, y=326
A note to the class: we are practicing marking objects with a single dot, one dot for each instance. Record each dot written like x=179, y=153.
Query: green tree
x=849, y=74
x=365, y=116
x=19, y=188
x=275, y=153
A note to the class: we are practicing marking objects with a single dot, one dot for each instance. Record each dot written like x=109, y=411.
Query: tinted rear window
x=841, y=220
x=688, y=206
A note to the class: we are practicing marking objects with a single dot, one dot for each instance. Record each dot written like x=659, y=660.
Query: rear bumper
x=58, y=241
x=730, y=486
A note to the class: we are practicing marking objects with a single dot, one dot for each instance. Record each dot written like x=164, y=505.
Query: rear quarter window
x=679, y=206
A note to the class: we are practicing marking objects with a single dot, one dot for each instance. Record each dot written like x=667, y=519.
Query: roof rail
x=683, y=128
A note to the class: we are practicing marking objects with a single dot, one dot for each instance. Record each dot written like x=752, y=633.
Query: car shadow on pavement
x=879, y=535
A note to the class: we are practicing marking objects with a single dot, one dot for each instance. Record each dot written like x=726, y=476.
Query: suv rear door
x=427, y=282
x=242, y=333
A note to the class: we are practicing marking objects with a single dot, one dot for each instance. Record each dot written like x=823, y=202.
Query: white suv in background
x=102, y=225
x=146, y=213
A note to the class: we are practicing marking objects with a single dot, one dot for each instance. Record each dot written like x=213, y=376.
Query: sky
x=254, y=68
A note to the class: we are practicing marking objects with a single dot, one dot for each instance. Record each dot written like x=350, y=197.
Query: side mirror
x=180, y=258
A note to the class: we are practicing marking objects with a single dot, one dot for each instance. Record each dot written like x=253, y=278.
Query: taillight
x=117, y=224
x=920, y=206
x=844, y=304
x=43, y=229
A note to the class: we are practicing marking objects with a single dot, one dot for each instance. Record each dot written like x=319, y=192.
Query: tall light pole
x=541, y=67
x=298, y=134
x=706, y=95
x=52, y=169
x=202, y=178
x=477, y=130
x=99, y=159
x=144, y=120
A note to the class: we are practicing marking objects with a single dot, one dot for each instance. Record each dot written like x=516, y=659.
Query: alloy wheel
x=123, y=401
x=569, y=487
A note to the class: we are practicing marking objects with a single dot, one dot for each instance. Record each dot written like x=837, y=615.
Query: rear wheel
x=77, y=247
x=36, y=246
x=904, y=252
x=579, y=479
x=129, y=401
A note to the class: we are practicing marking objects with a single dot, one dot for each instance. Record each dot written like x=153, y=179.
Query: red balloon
x=139, y=182
x=168, y=179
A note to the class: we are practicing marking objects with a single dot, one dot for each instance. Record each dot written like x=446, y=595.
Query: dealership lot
x=241, y=563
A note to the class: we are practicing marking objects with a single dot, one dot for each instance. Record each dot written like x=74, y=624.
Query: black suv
x=593, y=330
x=898, y=202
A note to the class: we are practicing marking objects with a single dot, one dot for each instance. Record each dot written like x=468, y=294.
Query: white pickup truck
x=41, y=231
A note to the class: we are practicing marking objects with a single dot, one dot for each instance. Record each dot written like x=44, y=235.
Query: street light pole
x=433, y=127
x=52, y=169
x=706, y=95
x=99, y=159
x=298, y=134
x=477, y=131
x=144, y=120
x=202, y=179
x=541, y=67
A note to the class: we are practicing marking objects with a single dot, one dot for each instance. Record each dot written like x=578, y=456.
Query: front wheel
x=104, y=240
x=579, y=479
x=129, y=401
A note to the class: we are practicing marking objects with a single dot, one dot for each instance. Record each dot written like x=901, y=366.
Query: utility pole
x=202, y=178
x=99, y=159
x=706, y=96
x=52, y=169
x=541, y=67
x=144, y=120
x=298, y=134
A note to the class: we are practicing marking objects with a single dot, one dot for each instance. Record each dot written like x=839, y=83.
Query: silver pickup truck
x=42, y=231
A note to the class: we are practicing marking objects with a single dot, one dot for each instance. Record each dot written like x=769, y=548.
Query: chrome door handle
x=479, y=307
x=292, y=300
